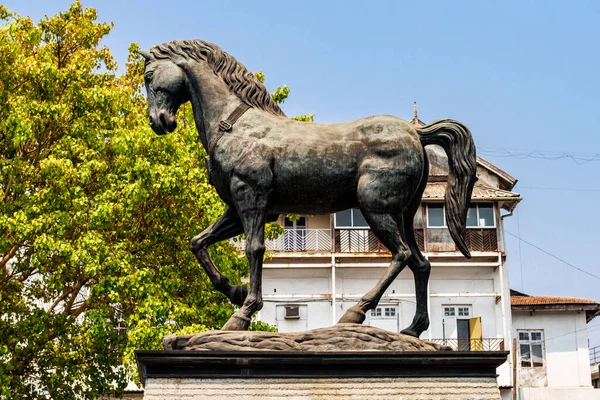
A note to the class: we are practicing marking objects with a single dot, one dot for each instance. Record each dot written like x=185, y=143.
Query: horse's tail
x=456, y=140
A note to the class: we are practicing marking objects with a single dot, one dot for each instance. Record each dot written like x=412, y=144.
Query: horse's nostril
x=163, y=121
x=151, y=120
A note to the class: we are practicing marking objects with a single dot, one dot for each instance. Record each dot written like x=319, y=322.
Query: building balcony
x=297, y=240
x=431, y=240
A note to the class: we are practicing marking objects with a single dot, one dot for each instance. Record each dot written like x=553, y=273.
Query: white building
x=552, y=341
x=322, y=264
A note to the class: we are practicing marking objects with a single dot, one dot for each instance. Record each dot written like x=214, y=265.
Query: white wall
x=566, y=345
x=304, y=285
x=476, y=286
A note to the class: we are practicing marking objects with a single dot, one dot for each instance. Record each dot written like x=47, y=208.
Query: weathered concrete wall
x=321, y=389
x=317, y=222
x=565, y=346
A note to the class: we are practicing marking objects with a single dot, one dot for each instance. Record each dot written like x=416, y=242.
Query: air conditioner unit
x=292, y=312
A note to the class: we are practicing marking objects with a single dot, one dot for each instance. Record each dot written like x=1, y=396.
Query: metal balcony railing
x=365, y=241
x=357, y=241
x=485, y=344
x=295, y=240
x=485, y=239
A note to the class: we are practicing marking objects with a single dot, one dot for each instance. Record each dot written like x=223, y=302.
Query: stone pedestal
x=412, y=375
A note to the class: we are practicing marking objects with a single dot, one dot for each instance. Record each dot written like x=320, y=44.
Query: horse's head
x=167, y=90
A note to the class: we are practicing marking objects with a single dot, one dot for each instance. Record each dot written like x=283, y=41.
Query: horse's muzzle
x=163, y=124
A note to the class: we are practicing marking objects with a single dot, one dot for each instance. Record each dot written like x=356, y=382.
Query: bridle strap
x=226, y=126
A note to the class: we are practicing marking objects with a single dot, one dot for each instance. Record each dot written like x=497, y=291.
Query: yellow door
x=476, y=334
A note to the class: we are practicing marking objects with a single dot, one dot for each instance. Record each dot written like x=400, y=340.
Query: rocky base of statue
x=340, y=337
x=345, y=361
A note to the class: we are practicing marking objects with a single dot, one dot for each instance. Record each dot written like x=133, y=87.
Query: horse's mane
x=239, y=80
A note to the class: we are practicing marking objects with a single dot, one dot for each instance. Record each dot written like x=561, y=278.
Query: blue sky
x=521, y=75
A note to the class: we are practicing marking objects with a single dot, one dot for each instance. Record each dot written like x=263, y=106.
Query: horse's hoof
x=237, y=294
x=410, y=332
x=354, y=315
x=418, y=326
x=236, y=323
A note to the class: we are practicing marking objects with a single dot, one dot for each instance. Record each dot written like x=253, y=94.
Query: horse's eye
x=149, y=75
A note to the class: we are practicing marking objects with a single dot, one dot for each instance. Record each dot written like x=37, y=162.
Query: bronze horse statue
x=263, y=164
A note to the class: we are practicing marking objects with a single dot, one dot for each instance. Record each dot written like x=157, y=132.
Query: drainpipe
x=511, y=360
x=503, y=234
x=332, y=238
x=507, y=345
x=502, y=302
x=333, y=316
x=429, y=303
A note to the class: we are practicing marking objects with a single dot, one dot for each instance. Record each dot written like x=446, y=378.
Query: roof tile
x=548, y=300
x=436, y=190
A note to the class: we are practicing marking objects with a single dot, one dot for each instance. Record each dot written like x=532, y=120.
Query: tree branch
x=60, y=298
x=80, y=309
x=8, y=256
x=74, y=292
x=7, y=190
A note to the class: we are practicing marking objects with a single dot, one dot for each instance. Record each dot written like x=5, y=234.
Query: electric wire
x=520, y=253
x=559, y=189
x=553, y=256
x=579, y=158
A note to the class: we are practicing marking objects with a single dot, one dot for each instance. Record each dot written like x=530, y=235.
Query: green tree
x=96, y=214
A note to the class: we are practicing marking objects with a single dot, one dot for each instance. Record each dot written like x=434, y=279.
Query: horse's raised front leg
x=251, y=203
x=226, y=227
x=387, y=229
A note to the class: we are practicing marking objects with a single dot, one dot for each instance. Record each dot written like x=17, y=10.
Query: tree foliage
x=96, y=214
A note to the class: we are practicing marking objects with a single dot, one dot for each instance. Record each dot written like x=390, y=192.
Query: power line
x=553, y=256
x=520, y=254
x=579, y=158
x=562, y=189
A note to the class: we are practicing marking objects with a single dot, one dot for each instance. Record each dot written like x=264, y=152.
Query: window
x=294, y=234
x=384, y=312
x=300, y=223
x=481, y=215
x=436, y=215
x=461, y=312
x=352, y=218
x=531, y=348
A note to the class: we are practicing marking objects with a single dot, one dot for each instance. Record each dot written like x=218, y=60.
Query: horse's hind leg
x=421, y=269
x=418, y=264
x=226, y=227
x=389, y=230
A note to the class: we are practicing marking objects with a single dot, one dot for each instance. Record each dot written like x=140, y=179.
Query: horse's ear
x=145, y=54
